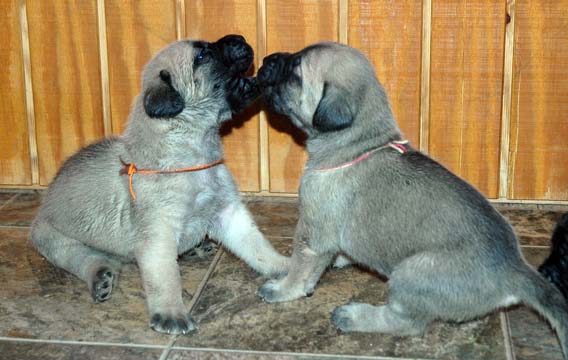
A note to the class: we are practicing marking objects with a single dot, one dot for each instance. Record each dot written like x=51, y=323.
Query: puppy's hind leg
x=236, y=230
x=98, y=269
x=391, y=318
x=421, y=289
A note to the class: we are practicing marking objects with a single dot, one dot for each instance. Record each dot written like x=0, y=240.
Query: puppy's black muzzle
x=277, y=68
x=236, y=54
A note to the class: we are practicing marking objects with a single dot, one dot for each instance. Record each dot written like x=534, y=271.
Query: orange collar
x=131, y=169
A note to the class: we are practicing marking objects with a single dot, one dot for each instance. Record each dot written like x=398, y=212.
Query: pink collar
x=399, y=146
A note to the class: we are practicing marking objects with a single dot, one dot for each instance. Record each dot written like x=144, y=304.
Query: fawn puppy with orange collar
x=158, y=189
x=367, y=194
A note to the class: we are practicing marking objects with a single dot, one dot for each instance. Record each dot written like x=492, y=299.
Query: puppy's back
x=87, y=192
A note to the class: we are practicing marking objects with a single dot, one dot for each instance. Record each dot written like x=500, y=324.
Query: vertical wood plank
x=264, y=159
x=343, y=34
x=136, y=30
x=539, y=122
x=292, y=25
x=425, y=76
x=466, y=89
x=180, y=19
x=388, y=32
x=210, y=20
x=66, y=79
x=103, y=53
x=15, y=166
x=507, y=97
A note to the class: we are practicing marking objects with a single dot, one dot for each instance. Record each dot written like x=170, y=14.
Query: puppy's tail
x=535, y=291
x=555, y=267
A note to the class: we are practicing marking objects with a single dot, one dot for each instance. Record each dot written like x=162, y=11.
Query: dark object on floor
x=555, y=267
x=202, y=251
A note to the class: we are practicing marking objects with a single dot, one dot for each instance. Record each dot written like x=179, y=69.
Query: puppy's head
x=321, y=88
x=196, y=76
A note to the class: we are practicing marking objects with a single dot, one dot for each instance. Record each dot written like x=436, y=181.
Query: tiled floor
x=46, y=313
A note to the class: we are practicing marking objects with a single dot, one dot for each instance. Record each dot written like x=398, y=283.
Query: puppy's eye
x=202, y=56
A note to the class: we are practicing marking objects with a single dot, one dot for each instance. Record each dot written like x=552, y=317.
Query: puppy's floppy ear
x=162, y=100
x=333, y=112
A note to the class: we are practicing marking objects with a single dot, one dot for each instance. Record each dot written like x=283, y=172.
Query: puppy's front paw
x=276, y=291
x=102, y=284
x=180, y=324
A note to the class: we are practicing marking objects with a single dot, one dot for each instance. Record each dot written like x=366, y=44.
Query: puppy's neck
x=178, y=142
x=331, y=149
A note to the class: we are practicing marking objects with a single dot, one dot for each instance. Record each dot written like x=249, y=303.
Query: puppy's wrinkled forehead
x=333, y=61
x=178, y=55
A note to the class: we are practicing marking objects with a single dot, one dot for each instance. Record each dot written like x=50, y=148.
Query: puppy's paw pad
x=102, y=285
x=203, y=250
x=175, y=325
x=208, y=246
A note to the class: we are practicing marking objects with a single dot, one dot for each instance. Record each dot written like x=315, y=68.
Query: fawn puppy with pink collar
x=368, y=195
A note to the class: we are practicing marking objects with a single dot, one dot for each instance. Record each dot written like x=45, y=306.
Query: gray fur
x=447, y=252
x=89, y=224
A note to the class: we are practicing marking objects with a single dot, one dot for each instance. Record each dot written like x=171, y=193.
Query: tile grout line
x=19, y=227
x=75, y=342
x=205, y=279
x=195, y=298
x=168, y=349
x=9, y=201
x=506, y=329
x=544, y=247
x=284, y=353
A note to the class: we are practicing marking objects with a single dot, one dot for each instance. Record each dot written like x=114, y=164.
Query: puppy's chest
x=199, y=197
x=320, y=187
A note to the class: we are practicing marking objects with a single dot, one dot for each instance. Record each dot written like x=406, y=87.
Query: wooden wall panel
x=136, y=30
x=292, y=25
x=389, y=33
x=466, y=88
x=66, y=79
x=14, y=147
x=539, y=118
x=210, y=20
x=68, y=71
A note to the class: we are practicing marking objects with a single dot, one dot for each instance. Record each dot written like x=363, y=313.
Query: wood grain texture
x=389, y=33
x=66, y=79
x=466, y=89
x=506, y=104
x=539, y=122
x=136, y=30
x=14, y=147
x=292, y=25
x=425, y=68
x=210, y=20
x=264, y=129
x=103, y=56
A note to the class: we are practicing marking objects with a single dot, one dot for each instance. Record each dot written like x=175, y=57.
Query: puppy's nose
x=236, y=53
x=276, y=68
